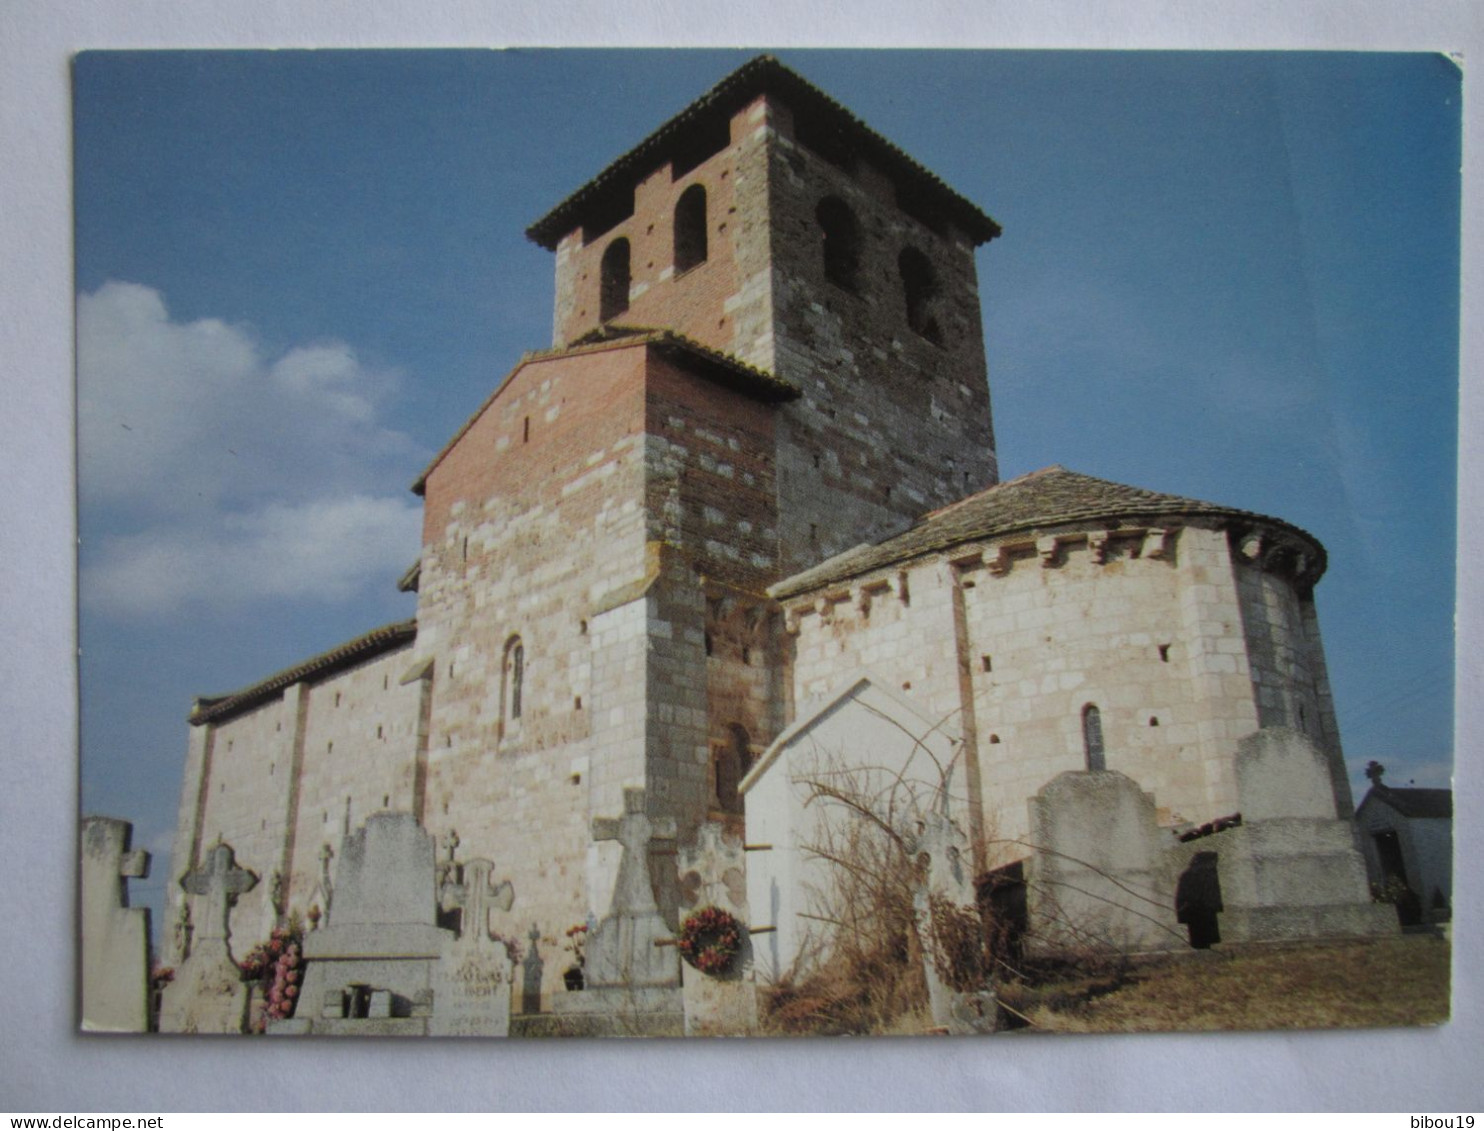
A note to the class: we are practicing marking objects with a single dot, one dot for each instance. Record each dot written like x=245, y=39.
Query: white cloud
x=325, y=550
x=179, y=418
x=210, y=472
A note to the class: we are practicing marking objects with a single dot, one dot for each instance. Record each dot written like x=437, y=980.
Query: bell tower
x=768, y=223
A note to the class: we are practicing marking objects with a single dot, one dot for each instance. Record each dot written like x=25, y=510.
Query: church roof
x=703, y=361
x=1040, y=500
x=384, y=639
x=1413, y=802
x=762, y=75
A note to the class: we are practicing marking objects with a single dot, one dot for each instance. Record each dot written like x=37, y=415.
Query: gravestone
x=622, y=951
x=472, y=980
x=115, y=936
x=713, y=873
x=1101, y=878
x=633, y=985
x=370, y=971
x=960, y=994
x=1292, y=869
x=208, y=994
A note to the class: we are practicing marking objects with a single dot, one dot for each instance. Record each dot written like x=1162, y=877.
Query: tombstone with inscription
x=472, y=979
x=370, y=972
x=713, y=873
x=633, y=975
x=208, y=994
x=115, y=936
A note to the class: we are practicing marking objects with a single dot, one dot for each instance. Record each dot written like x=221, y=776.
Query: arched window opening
x=614, y=299
x=1092, y=738
x=840, y=239
x=920, y=290
x=690, y=229
x=512, y=681
x=733, y=759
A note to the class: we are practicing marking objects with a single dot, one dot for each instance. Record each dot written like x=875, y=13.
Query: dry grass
x=1389, y=982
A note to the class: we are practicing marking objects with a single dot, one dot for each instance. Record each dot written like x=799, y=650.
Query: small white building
x=857, y=757
x=1407, y=835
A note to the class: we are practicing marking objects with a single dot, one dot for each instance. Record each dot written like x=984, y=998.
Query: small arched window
x=920, y=290
x=1092, y=738
x=690, y=229
x=732, y=763
x=512, y=681
x=614, y=299
x=840, y=240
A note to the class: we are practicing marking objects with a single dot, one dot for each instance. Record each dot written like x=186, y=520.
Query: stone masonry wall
x=711, y=498
x=355, y=733
x=1289, y=678
x=722, y=302
x=891, y=424
x=1148, y=628
x=535, y=529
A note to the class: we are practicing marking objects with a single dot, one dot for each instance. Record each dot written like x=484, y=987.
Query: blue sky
x=1228, y=276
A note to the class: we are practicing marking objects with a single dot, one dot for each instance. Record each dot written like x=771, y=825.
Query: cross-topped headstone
x=712, y=873
x=114, y=936
x=633, y=892
x=208, y=994
x=475, y=895
x=220, y=882
x=622, y=951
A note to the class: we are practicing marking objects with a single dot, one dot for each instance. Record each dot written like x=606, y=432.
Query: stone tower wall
x=891, y=424
x=721, y=303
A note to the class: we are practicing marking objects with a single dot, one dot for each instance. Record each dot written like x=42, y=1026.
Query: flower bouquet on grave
x=710, y=939
x=575, y=977
x=277, y=966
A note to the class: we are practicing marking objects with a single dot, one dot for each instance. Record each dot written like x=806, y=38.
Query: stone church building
x=754, y=474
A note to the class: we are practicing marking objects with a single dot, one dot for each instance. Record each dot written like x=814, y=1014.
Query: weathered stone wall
x=891, y=424
x=723, y=302
x=535, y=529
x=360, y=752
x=1286, y=659
x=345, y=744
x=1147, y=626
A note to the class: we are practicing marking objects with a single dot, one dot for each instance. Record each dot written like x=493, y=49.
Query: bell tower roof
x=819, y=117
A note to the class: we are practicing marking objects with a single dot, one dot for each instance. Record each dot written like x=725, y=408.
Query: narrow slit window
x=512, y=684
x=840, y=240
x=920, y=291
x=1092, y=738
x=614, y=297
x=690, y=229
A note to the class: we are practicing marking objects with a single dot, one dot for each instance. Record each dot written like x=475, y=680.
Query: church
x=747, y=506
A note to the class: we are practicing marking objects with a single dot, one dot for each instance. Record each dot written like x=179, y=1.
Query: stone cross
x=325, y=855
x=633, y=892
x=451, y=846
x=475, y=895
x=712, y=873
x=220, y=882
